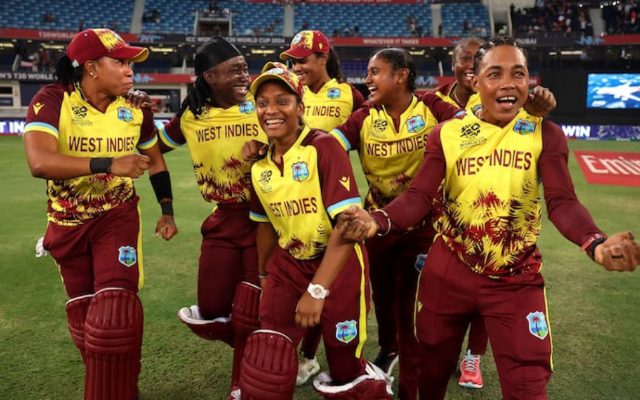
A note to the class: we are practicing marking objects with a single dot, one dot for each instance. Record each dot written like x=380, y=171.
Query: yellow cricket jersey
x=331, y=106
x=83, y=131
x=215, y=140
x=391, y=155
x=492, y=206
x=300, y=197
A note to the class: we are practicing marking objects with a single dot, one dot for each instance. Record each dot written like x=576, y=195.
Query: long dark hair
x=399, y=58
x=333, y=66
x=65, y=72
x=492, y=43
x=199, y=96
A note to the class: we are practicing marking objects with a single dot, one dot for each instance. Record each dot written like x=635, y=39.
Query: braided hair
x=399, y=58
x=492, y=43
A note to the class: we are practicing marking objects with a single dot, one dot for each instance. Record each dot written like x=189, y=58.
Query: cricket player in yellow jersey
x=328, y=102
x=216, y=119
x=485, y=260
x=461, y=94
x=311, y=276
x=389, y=132
x=89, y=143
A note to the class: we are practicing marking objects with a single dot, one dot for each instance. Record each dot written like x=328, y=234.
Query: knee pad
x=209, y=329
x=76, y=309
x=245, y=309
x=269, y=367
x=373, y=385
x=113, y=341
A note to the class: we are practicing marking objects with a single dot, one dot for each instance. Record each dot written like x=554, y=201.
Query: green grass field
x=594, y=314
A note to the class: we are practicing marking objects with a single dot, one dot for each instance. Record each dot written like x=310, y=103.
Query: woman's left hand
x=541, y=102
x=308, y=311
x=138, y=99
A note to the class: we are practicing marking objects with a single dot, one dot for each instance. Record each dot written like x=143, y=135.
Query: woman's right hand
x=356, y=224
x=131, y=165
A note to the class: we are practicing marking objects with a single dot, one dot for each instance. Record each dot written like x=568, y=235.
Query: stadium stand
x=465, y=19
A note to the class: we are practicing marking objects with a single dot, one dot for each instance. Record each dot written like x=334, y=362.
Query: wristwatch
x=317, y=291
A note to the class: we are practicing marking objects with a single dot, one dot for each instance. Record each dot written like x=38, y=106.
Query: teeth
x=273, y=121
x=507, y=99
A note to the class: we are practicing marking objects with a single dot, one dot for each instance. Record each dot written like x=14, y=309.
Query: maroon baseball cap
x=92, y=44
x=306, y=43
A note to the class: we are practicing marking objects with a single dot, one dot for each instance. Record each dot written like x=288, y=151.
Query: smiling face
x=229, y=82
x=279, y=111
x=463, y=65
x=310, y=70
x=383, y=82
x=502, y=79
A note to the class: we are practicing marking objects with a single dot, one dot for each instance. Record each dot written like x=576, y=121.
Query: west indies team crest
x=346, y=331
x=524, y=127
x=333, y=93
x=538, y=325
x=300, y=171
x=125, y=114
x=127, y=256
x=415, y=124
x=247, y=107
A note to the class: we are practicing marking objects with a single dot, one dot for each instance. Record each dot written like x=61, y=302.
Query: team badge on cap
x=538, y=325
x=346, y=331
x=127, y=256
x=306, y=43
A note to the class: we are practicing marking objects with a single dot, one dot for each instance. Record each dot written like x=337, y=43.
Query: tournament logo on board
x=415, y=124
x=333, y=93
x=300, y=171
x=538, y=325
x=125, y=114
x=127, y=256
x=346, y=331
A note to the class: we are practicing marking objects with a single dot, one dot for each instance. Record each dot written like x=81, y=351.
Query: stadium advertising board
x=610, y=168
x=613, y=91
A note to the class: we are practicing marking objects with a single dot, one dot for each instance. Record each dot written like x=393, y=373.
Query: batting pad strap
x=113, y=340
x=373, y=384
x=269, y=367
x=209, y=329
x=245, y=309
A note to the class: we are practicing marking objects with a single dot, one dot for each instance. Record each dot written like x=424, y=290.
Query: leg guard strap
x=209, y=329
x=245, y=308
x=76, y=309
x=373, y=385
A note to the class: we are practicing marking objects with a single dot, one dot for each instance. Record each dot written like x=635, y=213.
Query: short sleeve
x=44, y=111
x=348, y=134
x=338, y=183
x=171, y=134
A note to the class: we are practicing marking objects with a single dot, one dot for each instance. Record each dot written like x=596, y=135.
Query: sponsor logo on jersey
x=333, y=93
x=524, y=127
x=415, y=124
x=378, y=128
x=127, y=256
x=300, y=171
x=346, y=331
x=37, y=107
x=345, y=182
x=247, y=107
x=263, y=182
x=125, y=114
x=79, y=111
x=538, y=325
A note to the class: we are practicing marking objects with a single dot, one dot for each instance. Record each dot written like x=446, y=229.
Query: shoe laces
x=471, y=363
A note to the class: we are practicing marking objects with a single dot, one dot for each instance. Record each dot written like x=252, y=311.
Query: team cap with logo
x=306, y=43
x=279, y=74
x=92, y=44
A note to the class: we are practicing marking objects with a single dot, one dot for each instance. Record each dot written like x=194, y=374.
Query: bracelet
x=590, y=245
x=99, y=165
x=383, y=212
x=161, y=183
x=166, y=207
